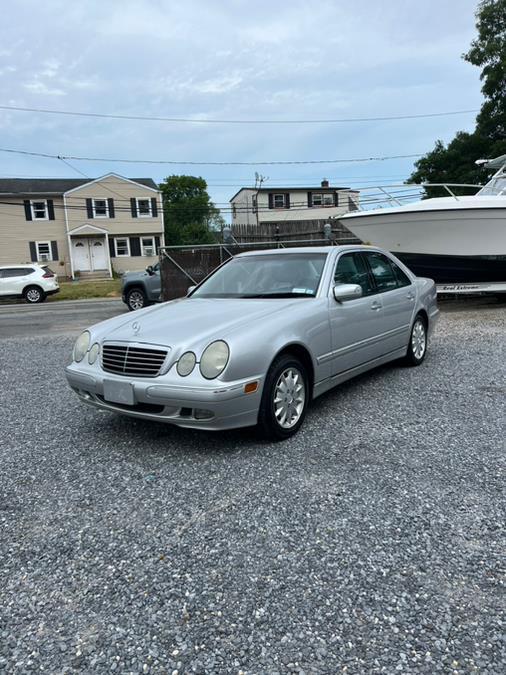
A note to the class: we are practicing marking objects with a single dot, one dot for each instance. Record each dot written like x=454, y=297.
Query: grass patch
x=83, y=290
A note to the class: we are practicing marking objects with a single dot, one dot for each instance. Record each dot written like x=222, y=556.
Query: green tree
x=190, y=215
x=455, y=162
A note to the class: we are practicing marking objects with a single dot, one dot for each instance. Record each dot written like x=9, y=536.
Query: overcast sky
x=235, y=60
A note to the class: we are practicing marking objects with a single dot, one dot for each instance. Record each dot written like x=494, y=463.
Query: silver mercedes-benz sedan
x=256, y=341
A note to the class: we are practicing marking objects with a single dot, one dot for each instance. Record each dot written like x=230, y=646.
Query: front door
x=81, y=255
x=98, y=254
x=356, y=325
x=89, y=254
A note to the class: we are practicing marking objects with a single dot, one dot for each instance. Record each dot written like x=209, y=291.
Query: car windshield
x=283, y=275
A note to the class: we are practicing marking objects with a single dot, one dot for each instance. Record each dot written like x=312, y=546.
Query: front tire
x=34, y=294
x=417, y=347
x=284, y=399
x=136, y=299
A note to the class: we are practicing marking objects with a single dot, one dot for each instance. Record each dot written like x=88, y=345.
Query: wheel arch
x=423, y=313
x=304, y=355
x=33, y=285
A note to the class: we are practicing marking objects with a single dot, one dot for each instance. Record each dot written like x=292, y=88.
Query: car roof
x=303, y=249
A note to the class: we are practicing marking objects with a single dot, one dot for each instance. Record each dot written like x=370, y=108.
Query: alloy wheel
x=289, y=397
x=418, y=339
x=33, y=295
x=136, y=300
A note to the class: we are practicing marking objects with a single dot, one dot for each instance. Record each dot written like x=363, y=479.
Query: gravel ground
x=373, y=542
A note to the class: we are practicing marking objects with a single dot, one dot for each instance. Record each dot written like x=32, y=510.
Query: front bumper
x=215, y=406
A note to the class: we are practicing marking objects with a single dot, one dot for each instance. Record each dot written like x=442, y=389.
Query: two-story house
x=313, y=206
x=81, y=226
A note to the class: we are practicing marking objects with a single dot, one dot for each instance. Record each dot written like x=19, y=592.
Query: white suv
x=32, y=282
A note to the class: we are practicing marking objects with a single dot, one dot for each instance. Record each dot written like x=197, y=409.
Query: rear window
x=47, y=270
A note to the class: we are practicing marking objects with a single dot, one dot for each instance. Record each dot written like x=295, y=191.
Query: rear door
x=13, y=280
x=356, y=325
x=398, y=296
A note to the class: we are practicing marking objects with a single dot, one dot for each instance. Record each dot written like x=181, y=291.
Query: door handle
x=410, y=296
x=376, y=305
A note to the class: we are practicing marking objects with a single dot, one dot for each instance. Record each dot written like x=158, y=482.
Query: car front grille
x=124, y=359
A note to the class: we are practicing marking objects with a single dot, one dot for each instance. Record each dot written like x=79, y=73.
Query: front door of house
x=98, y=254
x=89, y=254
x=81, y=255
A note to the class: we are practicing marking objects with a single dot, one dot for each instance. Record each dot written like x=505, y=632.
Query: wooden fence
x=290, y=231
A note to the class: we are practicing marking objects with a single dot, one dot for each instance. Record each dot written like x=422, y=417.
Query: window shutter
x=271, y=201
x=54, y=250
x=310, y=199
x=154, y=207
x=50, y=209
x=287, y=200
x=110, y=204
x=336, y=198
x=135, y=246
x=133, y=207
x=112, y=252
x=157, y=244
x=33, y=251
x=28, y=212
x=89, y=208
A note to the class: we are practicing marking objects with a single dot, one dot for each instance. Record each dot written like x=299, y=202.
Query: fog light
x=201, y=414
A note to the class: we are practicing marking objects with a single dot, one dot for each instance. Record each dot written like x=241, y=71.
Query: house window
x=122, y=247
x=39, y=210
x=148, y=246
x=254, y=203
x=144, y=208
x=322, y=199
x=100, y=208
x=278, y=201
x=43, y=250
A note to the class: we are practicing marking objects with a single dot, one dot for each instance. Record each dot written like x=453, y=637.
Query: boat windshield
x=283, y=275
x=496, y=185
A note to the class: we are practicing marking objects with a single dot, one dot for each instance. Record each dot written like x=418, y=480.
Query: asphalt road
x=55, y=318
x=372, y=542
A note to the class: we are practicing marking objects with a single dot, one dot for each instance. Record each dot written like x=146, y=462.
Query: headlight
x=186, y=364
x=81, y=346
x=93, y=353
x=214, y=359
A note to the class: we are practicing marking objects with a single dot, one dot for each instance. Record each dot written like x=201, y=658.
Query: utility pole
x=259, y=179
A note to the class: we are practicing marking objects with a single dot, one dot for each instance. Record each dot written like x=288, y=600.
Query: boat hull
x=445, y=244
x=445, y=269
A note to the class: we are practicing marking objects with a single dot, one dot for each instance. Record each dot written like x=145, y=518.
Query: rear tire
x=417, y=346
x=284, y=399
x=136, y=299
x=34, y=294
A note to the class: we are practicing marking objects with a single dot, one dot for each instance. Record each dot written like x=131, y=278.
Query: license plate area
x=119, y=392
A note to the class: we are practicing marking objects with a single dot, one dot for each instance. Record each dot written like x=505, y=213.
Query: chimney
x=325, y=183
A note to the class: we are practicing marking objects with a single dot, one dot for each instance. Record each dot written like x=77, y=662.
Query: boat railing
x=384, y=196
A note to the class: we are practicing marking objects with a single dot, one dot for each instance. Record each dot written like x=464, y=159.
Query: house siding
x=16, y=232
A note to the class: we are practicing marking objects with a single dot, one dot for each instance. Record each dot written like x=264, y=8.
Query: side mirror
x=150, y=270
x=190, y=289
x=344, y=292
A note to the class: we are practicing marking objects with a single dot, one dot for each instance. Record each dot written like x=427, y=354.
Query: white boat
x=453, y=240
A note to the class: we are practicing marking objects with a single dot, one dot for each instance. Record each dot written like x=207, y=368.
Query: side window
x=402, y=278
x=382, y=271
x=351, y=268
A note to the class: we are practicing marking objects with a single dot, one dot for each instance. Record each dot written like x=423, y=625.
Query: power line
x=193, y=163
x=192, y=120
